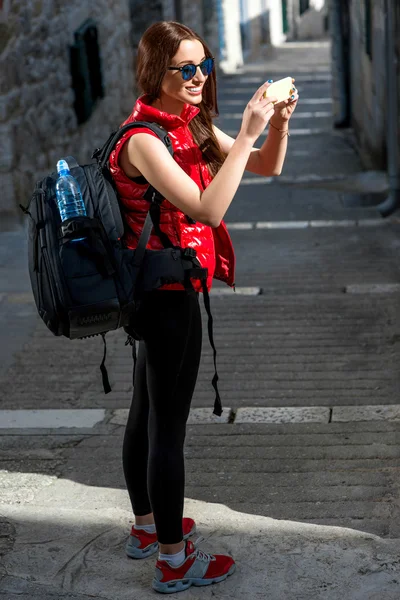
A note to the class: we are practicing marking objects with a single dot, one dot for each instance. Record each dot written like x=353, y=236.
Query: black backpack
x=87, y=288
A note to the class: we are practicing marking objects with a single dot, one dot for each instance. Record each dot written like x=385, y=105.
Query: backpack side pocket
x=89, y=273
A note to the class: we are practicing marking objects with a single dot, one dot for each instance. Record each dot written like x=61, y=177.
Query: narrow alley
x=298, y=478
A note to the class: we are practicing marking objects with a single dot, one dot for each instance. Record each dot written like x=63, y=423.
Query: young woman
x=175, y=70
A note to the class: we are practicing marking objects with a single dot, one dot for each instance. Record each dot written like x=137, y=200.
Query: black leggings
x=165, y=378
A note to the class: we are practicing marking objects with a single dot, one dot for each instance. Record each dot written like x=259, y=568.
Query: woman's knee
x=167, y=432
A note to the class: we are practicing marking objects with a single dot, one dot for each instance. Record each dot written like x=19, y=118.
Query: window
x=86, y=70
x=303, y=6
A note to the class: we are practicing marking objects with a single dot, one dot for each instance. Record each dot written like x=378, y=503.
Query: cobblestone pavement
x=299, y=480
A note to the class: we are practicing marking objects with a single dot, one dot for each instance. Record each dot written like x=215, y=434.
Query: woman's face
x=174, y=89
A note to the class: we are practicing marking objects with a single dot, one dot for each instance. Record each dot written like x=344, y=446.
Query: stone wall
x=360, y=72
x=38, y=124
x=192, y=13
x=143, y=14
x=397, y=22
x=367, y=83
x=211, y=26
x=200, y=15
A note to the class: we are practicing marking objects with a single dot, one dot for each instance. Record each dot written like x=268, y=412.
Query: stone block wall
x=211, y=26
x=38, y=124
x=397, y=58
x=367, y=82
x=202, y=17
x=192, y=13
x=143, y=14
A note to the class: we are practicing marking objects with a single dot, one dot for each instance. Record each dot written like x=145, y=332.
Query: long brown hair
x=158, y=45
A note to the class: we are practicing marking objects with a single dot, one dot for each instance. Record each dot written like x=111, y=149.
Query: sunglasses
x=189, y=71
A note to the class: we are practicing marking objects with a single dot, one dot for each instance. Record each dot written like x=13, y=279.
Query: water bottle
x=68, y=193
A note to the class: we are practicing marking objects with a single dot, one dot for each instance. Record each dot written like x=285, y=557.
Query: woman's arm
x=273, y=151
x=267, y=161
x=152, y=159
x=149, y=155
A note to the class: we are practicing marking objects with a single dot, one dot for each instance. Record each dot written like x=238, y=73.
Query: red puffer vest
x=213, y=245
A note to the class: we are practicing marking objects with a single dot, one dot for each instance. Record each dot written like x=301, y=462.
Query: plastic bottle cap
x=62, y=165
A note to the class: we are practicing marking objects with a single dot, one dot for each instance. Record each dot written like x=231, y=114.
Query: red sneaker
x=142, y=544
x=198, y=568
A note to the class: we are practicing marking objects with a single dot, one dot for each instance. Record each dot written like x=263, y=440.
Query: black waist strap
x=217, y=402
x=132, y=342
x=104, y=374
x=195, y=273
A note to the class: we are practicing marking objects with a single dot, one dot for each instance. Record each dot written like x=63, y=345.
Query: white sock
x=175, y=560
x=147, y=528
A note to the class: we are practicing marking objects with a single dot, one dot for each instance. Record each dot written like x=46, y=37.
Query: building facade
x=361, y=73
x=261, y=24
x=66, y=81
x=305, y=19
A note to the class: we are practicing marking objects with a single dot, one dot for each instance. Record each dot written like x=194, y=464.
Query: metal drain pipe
x=392, y=202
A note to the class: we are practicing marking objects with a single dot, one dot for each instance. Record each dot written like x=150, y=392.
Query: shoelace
x=199, y=553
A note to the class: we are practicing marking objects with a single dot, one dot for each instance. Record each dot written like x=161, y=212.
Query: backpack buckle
x=153, y=196
x=67, y=228
x=75, y=224
x=189, y=253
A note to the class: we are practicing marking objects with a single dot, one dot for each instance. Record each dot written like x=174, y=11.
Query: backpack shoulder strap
x=154, y=197
x=103, y=154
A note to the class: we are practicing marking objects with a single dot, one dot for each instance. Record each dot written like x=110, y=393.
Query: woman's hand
x=284, y=110
x=257, y=114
